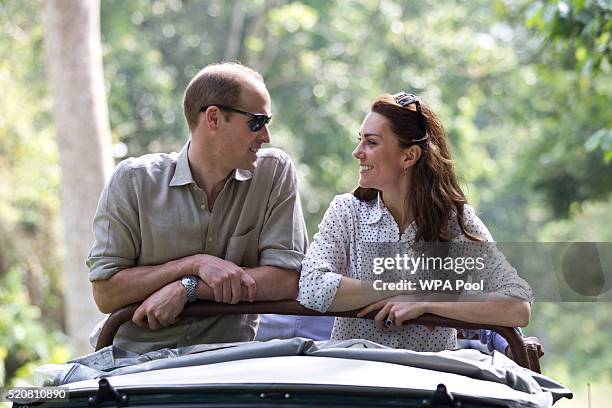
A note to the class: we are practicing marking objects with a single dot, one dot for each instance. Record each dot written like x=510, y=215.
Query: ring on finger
x=390, y=319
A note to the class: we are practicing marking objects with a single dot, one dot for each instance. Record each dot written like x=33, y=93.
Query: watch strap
x=190, y=282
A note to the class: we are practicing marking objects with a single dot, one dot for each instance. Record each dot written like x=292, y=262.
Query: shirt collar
x=379, y=209
x=376, y=211
x=242, y=175
x=182, y=173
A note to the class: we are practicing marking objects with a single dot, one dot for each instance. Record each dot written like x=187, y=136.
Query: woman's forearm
x=354, y=294
x=499, y=310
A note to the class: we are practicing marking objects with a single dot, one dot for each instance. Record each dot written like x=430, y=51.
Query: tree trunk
x=80, y=115
x=234, y=40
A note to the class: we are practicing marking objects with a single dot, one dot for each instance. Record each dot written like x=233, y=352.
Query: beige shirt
x=152, y=212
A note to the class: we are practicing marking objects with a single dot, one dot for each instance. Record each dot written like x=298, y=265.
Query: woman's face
x=381, y=160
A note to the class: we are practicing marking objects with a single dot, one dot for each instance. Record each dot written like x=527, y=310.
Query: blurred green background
x=522, y=87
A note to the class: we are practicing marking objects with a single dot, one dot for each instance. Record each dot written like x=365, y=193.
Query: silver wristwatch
x=190, y=282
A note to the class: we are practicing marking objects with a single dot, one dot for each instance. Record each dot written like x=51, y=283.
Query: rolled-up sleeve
x=283, y=239
x=501, y=277
x=116, y=227
x=498, y=274
x=326, y=259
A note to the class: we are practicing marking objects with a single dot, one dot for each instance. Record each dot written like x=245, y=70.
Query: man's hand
x=161, y=308
x=228, y=281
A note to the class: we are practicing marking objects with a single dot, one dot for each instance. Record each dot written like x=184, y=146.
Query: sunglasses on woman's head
x=256, y=120
x=405, y=99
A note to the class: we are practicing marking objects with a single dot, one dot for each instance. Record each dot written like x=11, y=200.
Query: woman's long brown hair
x=435, y=194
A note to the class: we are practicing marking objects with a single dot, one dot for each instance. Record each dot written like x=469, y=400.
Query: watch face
x=189, y=281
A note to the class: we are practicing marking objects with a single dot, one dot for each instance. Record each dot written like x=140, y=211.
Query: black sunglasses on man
x=256, y=120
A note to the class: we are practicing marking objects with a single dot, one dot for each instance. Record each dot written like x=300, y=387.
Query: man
x=221, y=220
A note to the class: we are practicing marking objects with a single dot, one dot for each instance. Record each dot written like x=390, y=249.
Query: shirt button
x=210, y=239
x=188, y=337
x=203, y=207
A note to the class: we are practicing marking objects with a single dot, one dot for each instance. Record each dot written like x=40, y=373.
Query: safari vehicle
x=301, y=372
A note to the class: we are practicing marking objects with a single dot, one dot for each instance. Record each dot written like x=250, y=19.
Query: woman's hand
x=394, y=311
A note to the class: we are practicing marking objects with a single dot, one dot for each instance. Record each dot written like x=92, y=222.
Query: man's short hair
x=215, y=84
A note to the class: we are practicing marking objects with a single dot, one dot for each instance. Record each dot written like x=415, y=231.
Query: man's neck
x=208, y=172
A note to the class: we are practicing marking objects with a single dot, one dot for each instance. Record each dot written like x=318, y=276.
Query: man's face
x=237, y=142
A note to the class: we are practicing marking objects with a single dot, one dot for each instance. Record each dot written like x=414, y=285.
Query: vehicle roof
x=298, y=363
x=320, y=374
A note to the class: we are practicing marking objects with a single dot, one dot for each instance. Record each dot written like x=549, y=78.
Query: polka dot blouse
x=349, y=238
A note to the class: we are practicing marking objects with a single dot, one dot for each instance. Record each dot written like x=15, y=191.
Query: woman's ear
x=411, y=156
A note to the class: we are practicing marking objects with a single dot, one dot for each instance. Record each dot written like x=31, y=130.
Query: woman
x=407, y=194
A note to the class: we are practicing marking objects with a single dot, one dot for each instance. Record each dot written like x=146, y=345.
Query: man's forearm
x=136, y=284
x=275, y=283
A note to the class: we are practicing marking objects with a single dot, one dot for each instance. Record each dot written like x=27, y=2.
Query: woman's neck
x=398, y=204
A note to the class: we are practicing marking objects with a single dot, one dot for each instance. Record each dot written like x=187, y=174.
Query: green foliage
x=579, y=31
x=588, y=344
x=25, y=339
x=588, y=222
x=142, y=90
x=570, y=155
x=30, y=284
x=601, y=141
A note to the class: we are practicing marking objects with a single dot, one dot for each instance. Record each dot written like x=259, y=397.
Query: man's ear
x=411, y=155
x=211, y=118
